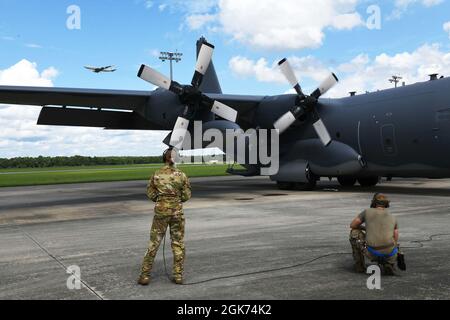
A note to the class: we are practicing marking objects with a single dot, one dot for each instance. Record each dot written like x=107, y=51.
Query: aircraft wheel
x=368, y=181
x=285, y=185
x=347, y=181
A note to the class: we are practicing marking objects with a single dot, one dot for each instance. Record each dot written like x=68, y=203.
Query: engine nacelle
x=164, y=108
x=157, y=110
x=310, y=156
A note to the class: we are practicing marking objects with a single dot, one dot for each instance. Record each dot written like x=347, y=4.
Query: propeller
x=307, y=104
x=189, y=94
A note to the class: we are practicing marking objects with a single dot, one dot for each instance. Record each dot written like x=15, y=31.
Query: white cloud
x=290, y=24
x=401, y=6
x=365, y=74
x=245, y=68
x=359, y=74
x=33, y=46
x=148, y=4
x=25, y=73
x=20, y=136
x=447, y=28
x=50, y=73
x=305, y=68
x=426, y=3
x=197, y=21
x=190, y=6
x=196, y=6
x=430, y=3
x=346, y=21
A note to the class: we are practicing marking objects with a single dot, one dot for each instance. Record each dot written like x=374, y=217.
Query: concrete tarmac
x=245, y=239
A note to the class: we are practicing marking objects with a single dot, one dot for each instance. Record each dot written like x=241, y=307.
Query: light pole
x=395, y=79
x=171, y=56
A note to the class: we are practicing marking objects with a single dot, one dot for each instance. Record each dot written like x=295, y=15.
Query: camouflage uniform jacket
x=169, y=187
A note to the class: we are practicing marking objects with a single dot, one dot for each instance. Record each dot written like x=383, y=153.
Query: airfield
x=245, y=239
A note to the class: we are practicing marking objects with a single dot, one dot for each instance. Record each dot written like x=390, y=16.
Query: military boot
x=360, y=267
x=388, y=269
x=178, y=279
x=144, y=279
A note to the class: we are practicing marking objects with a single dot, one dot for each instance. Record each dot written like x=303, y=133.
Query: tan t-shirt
x=380, y=226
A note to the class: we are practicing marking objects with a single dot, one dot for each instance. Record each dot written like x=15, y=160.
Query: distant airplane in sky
x=101, y=69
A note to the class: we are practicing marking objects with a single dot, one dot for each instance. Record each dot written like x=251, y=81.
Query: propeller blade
x=179, y=133
x=326, y=85
x=203, y=60
x=224, y=111
x=284, y=122
x=154, y=77
x=322, y=132
x=288, y=72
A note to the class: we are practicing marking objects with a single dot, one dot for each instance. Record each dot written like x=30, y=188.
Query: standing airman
x=169, y=187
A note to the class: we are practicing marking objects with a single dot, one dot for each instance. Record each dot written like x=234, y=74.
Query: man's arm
x=358, y=221
x=186, y=192
x=396, y=234
x=152, y=192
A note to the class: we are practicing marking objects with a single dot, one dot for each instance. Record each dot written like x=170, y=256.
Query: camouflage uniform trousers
x=359, y=251
x=160, y=223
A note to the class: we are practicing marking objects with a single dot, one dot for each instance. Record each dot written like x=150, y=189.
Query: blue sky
x=129, y=32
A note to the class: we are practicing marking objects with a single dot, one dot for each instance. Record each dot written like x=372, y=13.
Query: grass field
x=45, y=176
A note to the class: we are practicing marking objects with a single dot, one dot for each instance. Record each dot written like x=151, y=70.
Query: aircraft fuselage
x=402, y=132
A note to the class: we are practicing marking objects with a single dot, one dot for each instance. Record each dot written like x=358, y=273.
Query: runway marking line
x=87, y=286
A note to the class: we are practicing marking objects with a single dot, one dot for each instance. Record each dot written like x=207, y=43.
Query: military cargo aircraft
x=101, y=69
x=401, y=132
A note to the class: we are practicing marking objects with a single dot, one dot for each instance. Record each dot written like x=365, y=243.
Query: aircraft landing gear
x=347, y=181
x=368, y=181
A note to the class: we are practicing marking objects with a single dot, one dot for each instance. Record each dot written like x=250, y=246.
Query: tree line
x=48, y=162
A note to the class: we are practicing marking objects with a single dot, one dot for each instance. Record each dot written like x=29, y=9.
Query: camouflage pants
x=358, y=243
x=159, y=227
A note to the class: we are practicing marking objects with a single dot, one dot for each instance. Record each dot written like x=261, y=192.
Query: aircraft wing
x=92, y=98
x=90, y=68
x=112, y=109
